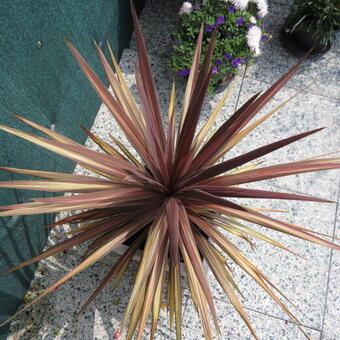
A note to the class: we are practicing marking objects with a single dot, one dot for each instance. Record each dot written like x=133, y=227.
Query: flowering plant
x=239, y=28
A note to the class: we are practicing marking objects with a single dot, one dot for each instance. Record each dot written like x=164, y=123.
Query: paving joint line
x=292, y=190
x=281, y=318
x=296, y=88
x=330, y=264
x=276, y=41
x=271, y=315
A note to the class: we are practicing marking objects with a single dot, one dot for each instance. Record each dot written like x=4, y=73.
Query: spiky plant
x=172, y=200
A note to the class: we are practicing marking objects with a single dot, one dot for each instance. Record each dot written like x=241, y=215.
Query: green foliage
x=231, y=39
x=320, y=17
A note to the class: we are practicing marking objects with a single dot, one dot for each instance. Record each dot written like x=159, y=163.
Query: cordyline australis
x=172, y=200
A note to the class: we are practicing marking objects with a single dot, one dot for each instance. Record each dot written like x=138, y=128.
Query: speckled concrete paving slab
x=303, y=281
x=233, y=328
x=158, y=20
x=304, y=113
x=323, y=70
x=55, y=316
x=276, y=17
x=312, y=285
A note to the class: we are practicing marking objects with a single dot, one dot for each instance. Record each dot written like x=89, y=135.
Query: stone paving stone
x=305, y=112
x=276, y=60
x=158, y=21
x=274, y=20
x=54, y=316
x=304, y=282
x=282, y=2
x=233, y=328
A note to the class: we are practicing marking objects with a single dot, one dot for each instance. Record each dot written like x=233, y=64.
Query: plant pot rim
x=225, y=81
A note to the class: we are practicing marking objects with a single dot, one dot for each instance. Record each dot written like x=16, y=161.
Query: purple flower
x=232, y=8
x=214, y=69
x=264, y=37
x=237, y=61
x=246, y=59
x=218, y=61
x=250, y=26
x=228, y=56
x=239, y=21
x=209, y=28
x=196, y=8
x=220, y=20
x=184, y=72
x=263, y=25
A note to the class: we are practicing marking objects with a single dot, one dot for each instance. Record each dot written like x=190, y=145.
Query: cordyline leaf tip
x=172, y=200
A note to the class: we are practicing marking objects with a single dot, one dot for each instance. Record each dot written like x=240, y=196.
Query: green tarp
x=41, y=81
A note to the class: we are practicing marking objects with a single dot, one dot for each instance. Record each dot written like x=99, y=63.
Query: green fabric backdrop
x=41, y=81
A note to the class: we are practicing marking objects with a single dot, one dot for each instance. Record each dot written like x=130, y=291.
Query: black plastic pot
x=300, y=39
x=224, y=82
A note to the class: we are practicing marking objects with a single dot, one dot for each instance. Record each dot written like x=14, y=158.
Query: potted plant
x=239, y=28
x=173, y=200
x=311, y=25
